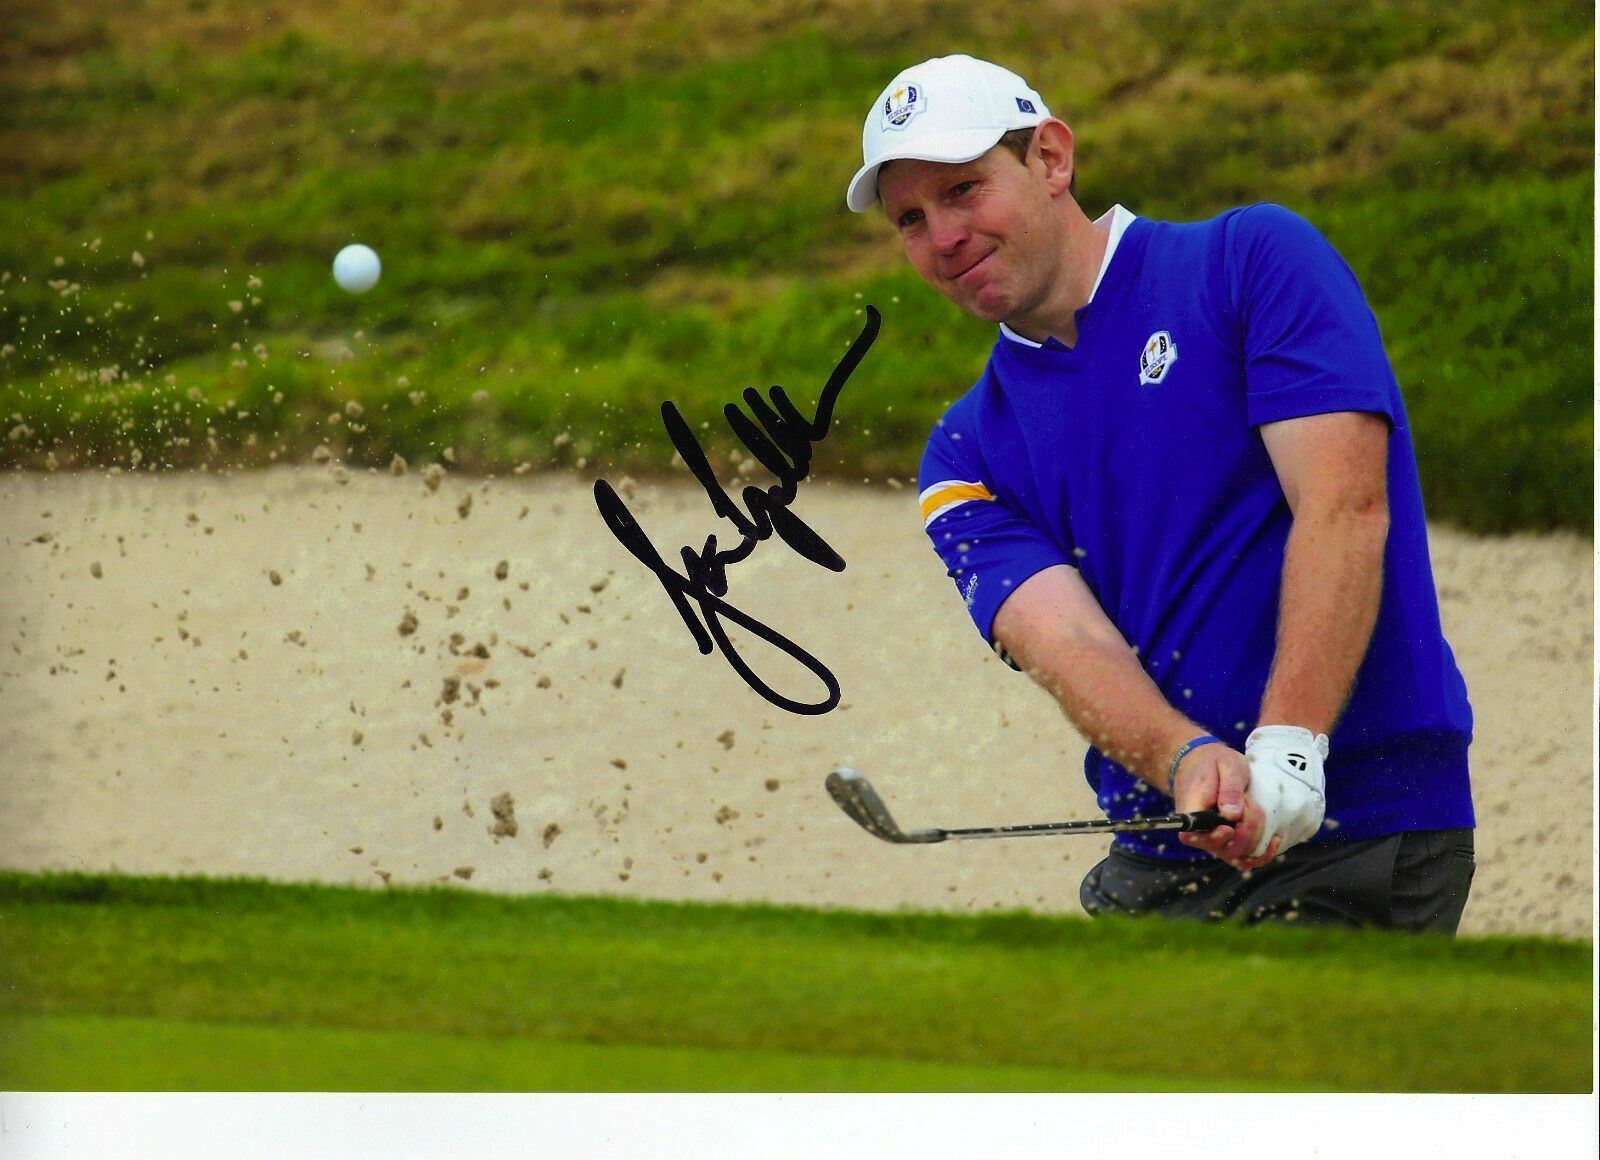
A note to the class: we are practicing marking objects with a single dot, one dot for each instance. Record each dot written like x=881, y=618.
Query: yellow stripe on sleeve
x=948, y=494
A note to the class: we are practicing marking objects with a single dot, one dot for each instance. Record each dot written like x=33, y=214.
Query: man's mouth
x=978, y=265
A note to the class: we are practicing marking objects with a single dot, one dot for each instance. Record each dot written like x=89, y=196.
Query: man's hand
x=1286, y=780
x=1216, y=777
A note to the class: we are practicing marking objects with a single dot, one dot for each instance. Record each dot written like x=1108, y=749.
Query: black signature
x=781, y=439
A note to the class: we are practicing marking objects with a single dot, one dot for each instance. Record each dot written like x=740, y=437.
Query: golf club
x=861, y=802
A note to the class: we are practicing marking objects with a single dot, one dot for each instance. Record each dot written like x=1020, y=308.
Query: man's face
x=983, y=234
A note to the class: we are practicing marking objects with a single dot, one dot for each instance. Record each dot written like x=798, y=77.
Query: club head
x=861, y=802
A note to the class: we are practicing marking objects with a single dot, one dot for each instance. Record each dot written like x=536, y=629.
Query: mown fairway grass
x=584, y=210
x=101, y=1053
x=153, y=984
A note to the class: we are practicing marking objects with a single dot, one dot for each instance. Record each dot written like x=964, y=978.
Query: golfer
x=1183, y=498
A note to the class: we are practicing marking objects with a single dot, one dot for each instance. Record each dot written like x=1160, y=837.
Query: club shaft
x=1203, y=820
x=855, y=795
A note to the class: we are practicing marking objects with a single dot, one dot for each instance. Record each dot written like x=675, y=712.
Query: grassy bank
x=584, y=213
x=147, y=983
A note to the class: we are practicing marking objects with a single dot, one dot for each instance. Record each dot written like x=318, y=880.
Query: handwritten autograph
x=782, y=440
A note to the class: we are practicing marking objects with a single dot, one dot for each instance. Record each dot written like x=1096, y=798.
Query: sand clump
x=503, y=806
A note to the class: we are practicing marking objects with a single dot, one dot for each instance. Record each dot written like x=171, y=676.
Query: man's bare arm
x=1055, y=630
x=1333, y=470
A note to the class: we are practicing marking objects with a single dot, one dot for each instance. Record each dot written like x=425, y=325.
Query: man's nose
x=945, y=230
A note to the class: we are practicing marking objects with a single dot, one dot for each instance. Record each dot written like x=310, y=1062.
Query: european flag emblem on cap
x=1025, y=105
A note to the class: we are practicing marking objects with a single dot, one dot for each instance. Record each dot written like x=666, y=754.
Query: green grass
x=122, y=1053
x=584, y=210
x=135, y=983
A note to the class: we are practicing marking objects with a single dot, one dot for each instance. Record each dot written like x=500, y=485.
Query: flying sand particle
x=503, y=806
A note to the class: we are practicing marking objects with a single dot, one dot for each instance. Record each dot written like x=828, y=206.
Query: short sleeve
x=1311, y=342
x=988, y=549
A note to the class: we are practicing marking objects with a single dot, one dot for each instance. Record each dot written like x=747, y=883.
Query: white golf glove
x=1286, y=781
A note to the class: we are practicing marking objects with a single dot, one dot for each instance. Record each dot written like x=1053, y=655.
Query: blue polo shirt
x=1135, y=458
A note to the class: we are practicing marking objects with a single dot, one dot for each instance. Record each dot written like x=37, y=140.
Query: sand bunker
x=334, y=675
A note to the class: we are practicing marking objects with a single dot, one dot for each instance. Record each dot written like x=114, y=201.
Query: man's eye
x=910, y=218
x=962, y=188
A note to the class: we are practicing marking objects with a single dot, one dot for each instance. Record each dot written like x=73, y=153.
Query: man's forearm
x=1112, y=701
x=1332, y=584
x=1054, y=628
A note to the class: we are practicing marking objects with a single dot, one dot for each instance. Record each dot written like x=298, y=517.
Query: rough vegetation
x=587, y=208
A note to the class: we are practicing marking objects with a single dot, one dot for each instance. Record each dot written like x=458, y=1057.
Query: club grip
x=1202, y=821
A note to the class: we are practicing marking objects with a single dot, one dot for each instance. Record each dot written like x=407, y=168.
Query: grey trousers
x=1416, y=881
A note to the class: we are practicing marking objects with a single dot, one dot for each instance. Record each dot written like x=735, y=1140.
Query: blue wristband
x=1172, y=770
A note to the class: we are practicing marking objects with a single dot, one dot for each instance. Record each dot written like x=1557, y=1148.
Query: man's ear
x=1052, y=148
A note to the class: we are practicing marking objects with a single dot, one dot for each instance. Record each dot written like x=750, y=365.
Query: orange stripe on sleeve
x=943, y=495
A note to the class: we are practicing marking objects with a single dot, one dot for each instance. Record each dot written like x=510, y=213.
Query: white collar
x=1120, y=219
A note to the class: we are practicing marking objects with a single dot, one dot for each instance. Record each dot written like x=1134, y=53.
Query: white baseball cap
x=951, y=109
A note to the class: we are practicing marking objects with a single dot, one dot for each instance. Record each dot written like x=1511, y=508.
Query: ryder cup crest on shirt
x=1159, y=353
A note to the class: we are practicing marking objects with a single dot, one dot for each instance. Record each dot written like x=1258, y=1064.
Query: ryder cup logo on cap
x=901, y=105
x=950, y=109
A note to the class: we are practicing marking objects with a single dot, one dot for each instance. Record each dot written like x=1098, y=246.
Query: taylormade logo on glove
x=1286, y=781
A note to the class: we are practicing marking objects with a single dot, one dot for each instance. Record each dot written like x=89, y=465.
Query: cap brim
x=954, y=148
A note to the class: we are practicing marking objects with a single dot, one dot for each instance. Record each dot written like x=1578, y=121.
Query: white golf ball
x=356, y=268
